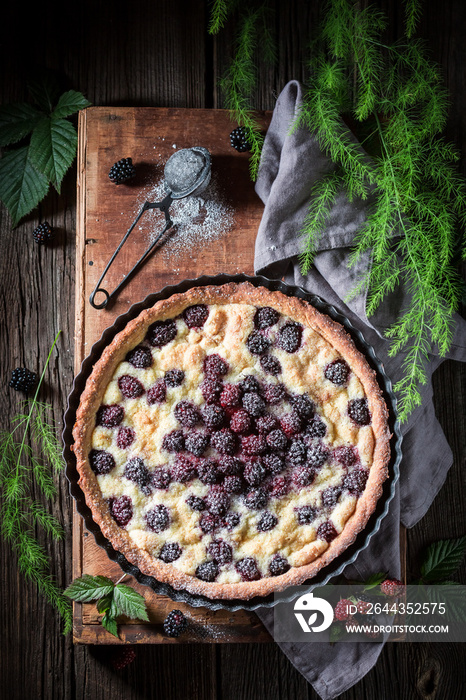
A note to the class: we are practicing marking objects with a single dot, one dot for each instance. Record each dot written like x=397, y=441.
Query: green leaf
x=53, y=148
x=88, y=588
x=442, y=559
x=17, y=121
x=104, y=604
x=374, y=580
x=110, y=624
x=22, y=187
x=129, y=602
x=69, y=103
x=336, y=633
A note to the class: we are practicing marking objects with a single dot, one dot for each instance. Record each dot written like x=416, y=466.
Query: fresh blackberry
x=140, y=357
x=345, y=455
x=267, y=522
x=291, y=424
x=355, y=481
x=231, y=520
x=358, y=411
x=274, y=463
x=22, y=379
x=229, y=465
x=257, y=344
x=303, y=405
x=122, y=657
x=208, y=522
x=158, y=518
x=187, y=414
x=316, y=428
x=278, y=565
x=161, y=333
x=174, y=377
x=220, y=551
x=342, y=609
x=110, y=416
x=289, y=337
x=250, y=383
x=173, y=441
x=296, y=453
x=274, y=393
x=121, y=509
x=43, y=233
x=270, y=365
x=196, y=443
x=303, y=476
x=130, y=387
x=217, y=500
x=213, y=416
x=253, y=404
x=196, y=503
x=224, y=441
x=266, y=423
x=330, y=496
x=122, y=171
x=239, y=139
x=255, y=472
x=195, y=316
x=101, y=462
x=256, y=499
x=265, y=317
x=337, y=372
x=240, y=421
x=392, y=587
x=305, y=515
x=317, y=454
x=125, y=438
x=157, y=393
x=207, y=571
x=215, y=366
x=233, y=484
x=136, y=471
x=161, y=478
x=175, y=623
x=326, y=531
x=171, y=551
x=279, y=487
x=211, y=388
x=208, y=471
x=183, y=469
x=230, y=396
x=277, y=440
x=253, y=444
x=248, y=569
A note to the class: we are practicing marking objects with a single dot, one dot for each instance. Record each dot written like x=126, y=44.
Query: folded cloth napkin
x=291, y=162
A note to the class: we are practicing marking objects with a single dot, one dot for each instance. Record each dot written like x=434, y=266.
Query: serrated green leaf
x=17, y=121
x=105, y=603
x=89, y=588
x=69, y=103
x=110, y=624
x=22, y=186
x=442, y=559
x=374, y=580
x=53, y=148
x=129, y=602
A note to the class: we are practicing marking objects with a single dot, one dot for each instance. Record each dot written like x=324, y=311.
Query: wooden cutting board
x=105, y=212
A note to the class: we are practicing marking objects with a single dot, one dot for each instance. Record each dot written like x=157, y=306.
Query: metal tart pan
x=335, y=567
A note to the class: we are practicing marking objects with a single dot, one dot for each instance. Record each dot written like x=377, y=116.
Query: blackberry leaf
x=88, y=588
x=442, y=559
x=53, y=148
x=129, y=602
x=110, y=624
x=69, y=103
x=17, y=121
x=22, y=186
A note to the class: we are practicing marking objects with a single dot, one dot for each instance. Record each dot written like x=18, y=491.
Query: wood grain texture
x=159, y=55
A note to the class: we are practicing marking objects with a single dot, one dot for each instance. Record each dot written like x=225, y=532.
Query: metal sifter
x=187, y=173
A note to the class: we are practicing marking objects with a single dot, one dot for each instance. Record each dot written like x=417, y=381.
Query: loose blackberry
x=187, y=414
x=355, y=481
x=317, y=454
x=161, y=333
x=265, y=317
x=266, y=423
x=196, y=503
x=274, y=393
x=296, y=453
x=303, y=405
x=208, y=522
x=239, y=139
x=316, y=428
x=217, y=500
x=130, y=387
x=122, y=171
x=173, y=441
x=256, y=499
x=22, y=379
x=231, y=520
x=136, y=471
x=337, y=372
x=161, y=479
x=330, y=496
x=171, y=551
x=121, y=509
x=291, y=424
x=250, y=383
x=196, y=443
x=211, y=388
x=392, y=587
x=125, y=438
x=274, y=463
x=43, y=233
x=257, y=344
x=157, y=393
x=305, y=515
x=255, y=472
x=270, y=365
x=208, y=471
x=224, y=441
x=289, y=337
x=101, y=462
x=345, y=455
x=183, y=469
x=208, y=571
x=175, y=623
x=122, y=657
x=279, y=487
x=233, y=484
x=174, y=377
x=158, y=518
x=110, y=416
x=277, y=440
x=253, y=444
x=140, y=357
x=220, y=551
x=248, y=569
x=253, y=404
x=230, y=396
x=358, y=411
x=215, y=366
x=267, y=522
x=278, y=565
x=326, y=531
x=342, y=609
x=240, y=421
x=303, y=476
x=213, y=416
x=196, y=316
x=229, y=465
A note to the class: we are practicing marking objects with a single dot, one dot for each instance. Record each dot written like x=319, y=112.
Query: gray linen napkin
x=290, y=164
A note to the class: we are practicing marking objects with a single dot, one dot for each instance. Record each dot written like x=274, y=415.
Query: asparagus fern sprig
x=20, y=511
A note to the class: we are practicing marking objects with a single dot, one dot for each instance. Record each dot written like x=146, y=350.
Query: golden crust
x=311, y=558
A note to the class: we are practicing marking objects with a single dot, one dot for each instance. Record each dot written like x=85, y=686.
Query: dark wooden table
x=159, y=54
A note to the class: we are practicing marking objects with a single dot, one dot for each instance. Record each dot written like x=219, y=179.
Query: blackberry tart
x=231, y=441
